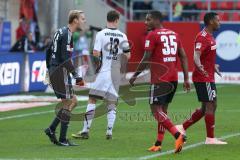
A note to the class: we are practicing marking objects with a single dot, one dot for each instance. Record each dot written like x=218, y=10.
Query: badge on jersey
x=198, y=45
x=147, y=43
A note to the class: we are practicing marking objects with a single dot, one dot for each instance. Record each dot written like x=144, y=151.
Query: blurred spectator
x=30, y=45
x=191, y=6
x=28, y=12
x=163, y=7
x=22, y=28
x=145, y=5
x=42, y=46
x=81, y=51
x=177, y=12
x=25, y=44
x=80, y=43
x=27, y=9
x=81, y=47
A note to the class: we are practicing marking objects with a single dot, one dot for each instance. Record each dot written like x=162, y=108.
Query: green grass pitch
x=22, y=136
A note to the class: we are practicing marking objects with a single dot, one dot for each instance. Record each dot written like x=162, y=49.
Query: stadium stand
x=228, y=10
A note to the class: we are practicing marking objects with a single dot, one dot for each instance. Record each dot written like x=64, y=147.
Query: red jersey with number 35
x=206, y=44
x=164, y=45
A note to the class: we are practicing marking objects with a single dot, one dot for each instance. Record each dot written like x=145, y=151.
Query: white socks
x=111, y=116
x=89, y=115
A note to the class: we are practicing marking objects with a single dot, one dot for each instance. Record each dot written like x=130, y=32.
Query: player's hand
x=201, y=69
x=79, y=81
x=132, y=80
x=186, y=86
x=217, y=70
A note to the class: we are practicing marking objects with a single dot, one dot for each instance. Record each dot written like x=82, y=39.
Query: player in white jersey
x=113, y=47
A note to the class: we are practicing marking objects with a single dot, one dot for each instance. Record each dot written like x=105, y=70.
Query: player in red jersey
x=203, y=78
x=162, y=47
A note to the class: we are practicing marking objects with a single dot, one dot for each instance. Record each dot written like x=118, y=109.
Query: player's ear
x=75, y=20
x=211, y=22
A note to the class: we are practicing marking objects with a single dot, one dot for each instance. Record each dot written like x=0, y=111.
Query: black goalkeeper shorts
x=61, y=83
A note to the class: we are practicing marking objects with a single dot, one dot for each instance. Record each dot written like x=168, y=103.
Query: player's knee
x=90, y=107
x=92, y=100
x=74, y=102
x=165, y=108
x=160, y=116
x=210, y=108
x=203, y=109
x=66, y=103
x=64, y=115
x=112, y=108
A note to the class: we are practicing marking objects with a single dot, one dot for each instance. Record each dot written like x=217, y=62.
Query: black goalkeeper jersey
x=59, y=52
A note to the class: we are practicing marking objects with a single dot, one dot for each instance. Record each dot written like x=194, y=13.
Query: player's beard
x=150, y=28
x=79, y=29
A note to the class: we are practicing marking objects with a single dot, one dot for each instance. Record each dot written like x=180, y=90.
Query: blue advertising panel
x=10, y=72
x=5, y=36
x=37, y=67
x=228, y=47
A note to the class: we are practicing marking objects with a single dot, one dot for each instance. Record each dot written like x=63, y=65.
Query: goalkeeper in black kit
x=60, y=66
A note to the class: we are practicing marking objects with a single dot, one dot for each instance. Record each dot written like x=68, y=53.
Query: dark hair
x=112, y=16
x=74, y=14
x=156, y=15
x=208, y=17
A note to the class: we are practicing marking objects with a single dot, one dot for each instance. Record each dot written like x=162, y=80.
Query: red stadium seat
x=235, y=16
x=223, y=16
x=202, y=14
x=237, y=5
x=226, y=5
x=214, y=5
x=202, y=5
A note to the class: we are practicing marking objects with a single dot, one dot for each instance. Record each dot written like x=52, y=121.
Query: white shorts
x=105, y=87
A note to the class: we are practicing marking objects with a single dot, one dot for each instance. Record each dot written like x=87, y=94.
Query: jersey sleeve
x=150, y=42
x=125, y=45
x=98, y=43
x=200, y=44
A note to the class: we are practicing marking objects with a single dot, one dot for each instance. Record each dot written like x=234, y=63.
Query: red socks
x=210, y=124
x=165, y=122
x=196, y=116
x=161, y=132
x=170, y=127
x=209, y=121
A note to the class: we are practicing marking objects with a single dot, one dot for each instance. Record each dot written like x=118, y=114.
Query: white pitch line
x=186, y=148
x=68, y=158
x=51, y=111
x=131, y=158
x=30, y=114
x=25, y=115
